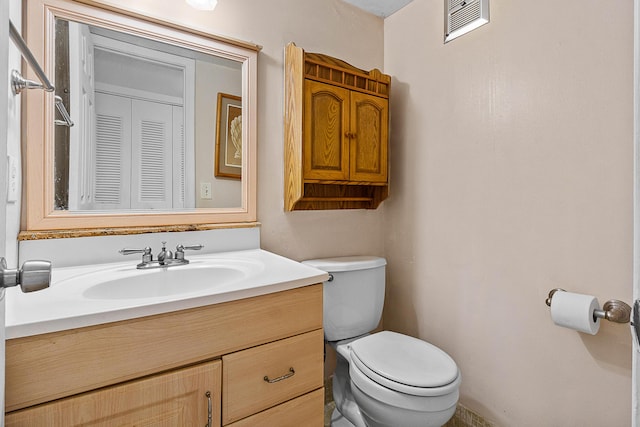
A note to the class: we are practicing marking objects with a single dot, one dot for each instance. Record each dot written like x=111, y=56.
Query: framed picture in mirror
x=228, y=153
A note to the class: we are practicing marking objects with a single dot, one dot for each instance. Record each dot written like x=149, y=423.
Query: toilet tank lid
x=346, y=263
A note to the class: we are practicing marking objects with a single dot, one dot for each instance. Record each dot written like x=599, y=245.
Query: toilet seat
x=405, y=364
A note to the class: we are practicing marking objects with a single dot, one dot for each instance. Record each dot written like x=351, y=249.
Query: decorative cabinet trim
x=324, y=68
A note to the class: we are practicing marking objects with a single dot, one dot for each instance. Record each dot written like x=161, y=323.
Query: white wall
x=331, y=27
x=4, y=115
x=511, y=174
x=13, y=143
x=212, y=79
x=511, y=165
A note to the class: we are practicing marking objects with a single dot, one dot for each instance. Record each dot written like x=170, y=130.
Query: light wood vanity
x=255, y=362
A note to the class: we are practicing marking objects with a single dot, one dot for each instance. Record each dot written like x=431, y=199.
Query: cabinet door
x=369, y=138
x=177, y=398
x=326, y=126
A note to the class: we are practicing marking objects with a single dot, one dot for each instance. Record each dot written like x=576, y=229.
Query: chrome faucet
x=165, y=258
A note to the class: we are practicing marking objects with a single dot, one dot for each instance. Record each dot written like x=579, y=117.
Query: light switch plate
x=205, y=190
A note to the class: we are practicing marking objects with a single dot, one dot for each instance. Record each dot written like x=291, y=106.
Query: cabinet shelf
x=336, y=122
x=330, y=196
x=353, y=183
x=337, y=199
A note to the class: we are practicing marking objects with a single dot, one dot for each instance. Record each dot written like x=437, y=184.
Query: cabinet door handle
x=210, y=410
x=284, y=377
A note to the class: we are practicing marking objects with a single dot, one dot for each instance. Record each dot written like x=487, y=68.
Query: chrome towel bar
x=19, y=83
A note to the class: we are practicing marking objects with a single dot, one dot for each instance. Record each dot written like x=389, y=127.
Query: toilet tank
x=353, y=296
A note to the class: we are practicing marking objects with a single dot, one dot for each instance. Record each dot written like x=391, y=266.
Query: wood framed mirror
x=142, y=94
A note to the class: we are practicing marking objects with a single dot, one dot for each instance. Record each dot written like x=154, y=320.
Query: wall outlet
x=205, y=190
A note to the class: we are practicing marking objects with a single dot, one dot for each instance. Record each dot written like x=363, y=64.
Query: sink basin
x=170, y=281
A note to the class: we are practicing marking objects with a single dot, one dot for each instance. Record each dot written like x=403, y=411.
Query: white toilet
x=383, y=379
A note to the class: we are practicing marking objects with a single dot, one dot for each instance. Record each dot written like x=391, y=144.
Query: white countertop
x=67, y=304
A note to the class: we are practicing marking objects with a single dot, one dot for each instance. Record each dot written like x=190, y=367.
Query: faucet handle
x=181, y=248
x=146, y=253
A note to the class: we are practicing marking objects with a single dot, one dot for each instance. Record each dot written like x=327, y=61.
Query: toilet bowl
x=400, y=380
x=382, y=379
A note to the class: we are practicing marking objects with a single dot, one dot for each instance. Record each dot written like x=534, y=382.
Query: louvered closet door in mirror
x=108, y=173
x=134, y=149
x=152, y=155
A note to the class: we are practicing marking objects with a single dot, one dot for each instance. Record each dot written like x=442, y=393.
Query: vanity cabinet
x=336, y=133
x=260, y=359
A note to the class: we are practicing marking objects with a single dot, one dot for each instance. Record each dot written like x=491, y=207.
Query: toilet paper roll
x=575, y=311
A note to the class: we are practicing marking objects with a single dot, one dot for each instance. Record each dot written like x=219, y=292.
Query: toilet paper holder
x=613, y=310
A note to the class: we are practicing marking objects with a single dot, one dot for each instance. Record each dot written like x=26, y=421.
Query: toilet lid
x=401, y=360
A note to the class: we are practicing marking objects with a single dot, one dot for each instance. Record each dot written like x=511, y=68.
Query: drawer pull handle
x=210, y=409
x=284, y=377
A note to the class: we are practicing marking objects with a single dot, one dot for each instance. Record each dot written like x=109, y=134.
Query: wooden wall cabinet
x=157, y=370
x=336, y=133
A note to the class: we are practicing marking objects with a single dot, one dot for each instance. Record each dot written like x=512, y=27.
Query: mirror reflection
x=157, y=126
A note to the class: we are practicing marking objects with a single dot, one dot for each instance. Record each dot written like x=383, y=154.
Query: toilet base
x=380, y=414
x=338, y=420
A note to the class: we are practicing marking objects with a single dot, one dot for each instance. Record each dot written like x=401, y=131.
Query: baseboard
x=465, y=417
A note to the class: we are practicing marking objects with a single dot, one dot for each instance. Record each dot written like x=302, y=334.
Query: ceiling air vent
x=462, y=16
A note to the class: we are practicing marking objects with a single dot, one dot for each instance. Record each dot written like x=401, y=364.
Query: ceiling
x=382, y=8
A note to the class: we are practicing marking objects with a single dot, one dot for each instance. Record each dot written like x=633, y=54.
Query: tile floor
x=462, y=418
x=329, y=406
x=328, y=409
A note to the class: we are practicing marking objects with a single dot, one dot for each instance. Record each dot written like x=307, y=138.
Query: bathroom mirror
x=164, y=130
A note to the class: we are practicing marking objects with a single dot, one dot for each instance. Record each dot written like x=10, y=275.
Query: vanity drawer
x=303, y=411
x=293, y=366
